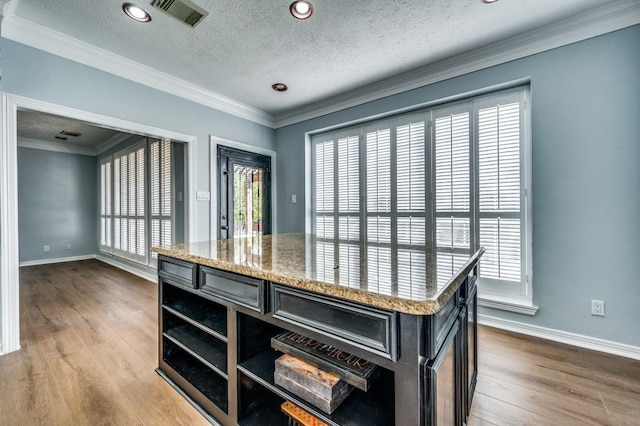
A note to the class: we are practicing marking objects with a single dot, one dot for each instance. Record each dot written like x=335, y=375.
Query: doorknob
x=225, y=227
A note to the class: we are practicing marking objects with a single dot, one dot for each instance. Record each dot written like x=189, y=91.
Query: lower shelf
x=207, y=382
x=376, y=406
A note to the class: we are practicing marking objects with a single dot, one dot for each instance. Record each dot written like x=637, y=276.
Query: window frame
x=489, y=290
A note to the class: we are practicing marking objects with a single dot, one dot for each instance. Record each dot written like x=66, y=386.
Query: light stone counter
x=413, y=281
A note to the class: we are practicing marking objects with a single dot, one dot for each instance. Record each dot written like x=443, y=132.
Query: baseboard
x=566, y=337
x=130, y=269
x=57, y=260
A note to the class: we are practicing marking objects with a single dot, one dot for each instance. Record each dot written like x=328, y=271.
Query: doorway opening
x=244, y=193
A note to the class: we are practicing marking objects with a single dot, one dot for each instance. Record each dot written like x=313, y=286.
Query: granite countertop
x=415, y=281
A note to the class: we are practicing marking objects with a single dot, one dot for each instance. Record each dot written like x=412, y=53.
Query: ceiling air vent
x=183, y=10
x=70, y=133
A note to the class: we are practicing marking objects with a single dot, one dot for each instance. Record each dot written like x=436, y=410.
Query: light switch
x=293, y=199
x=203, y=196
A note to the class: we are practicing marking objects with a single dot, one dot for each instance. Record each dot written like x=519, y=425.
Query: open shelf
x=212, y=386
x=258, y=405
x=376, y=406
x=210, y=316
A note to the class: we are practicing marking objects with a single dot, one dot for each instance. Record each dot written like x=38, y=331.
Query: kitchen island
x=411, y=311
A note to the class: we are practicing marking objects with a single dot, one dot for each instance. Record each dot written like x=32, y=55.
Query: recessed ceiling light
x=488, y=1
x=136, y=12
x=279, y=87
x=301, y=9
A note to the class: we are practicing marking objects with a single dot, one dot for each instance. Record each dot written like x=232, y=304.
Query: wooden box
x=324, y=390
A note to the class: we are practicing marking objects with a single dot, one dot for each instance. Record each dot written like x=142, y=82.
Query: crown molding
x=598, y=21
x=112, y=141
x=26, y=32
x=55, y=146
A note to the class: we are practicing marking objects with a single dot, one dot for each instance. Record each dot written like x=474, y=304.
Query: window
x=129, y=218
x=161, y=200
x=136, y=201
x=106, y=242
x=452, y=177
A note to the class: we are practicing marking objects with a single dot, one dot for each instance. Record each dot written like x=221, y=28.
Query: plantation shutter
x=411, y=202
x=452, y=177
x=161, y=204
x=106, y=221
x=377, y=146
x=348, y=191
x=129, y=204
x=500, y=195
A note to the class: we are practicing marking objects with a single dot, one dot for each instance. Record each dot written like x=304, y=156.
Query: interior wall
x=56, y=204
x=39, y=75
x=586, y=175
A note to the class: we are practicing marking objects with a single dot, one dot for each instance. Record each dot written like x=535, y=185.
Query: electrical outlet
x=597, y=308
x=294, y=199
x=69, y=246
x=45, y=248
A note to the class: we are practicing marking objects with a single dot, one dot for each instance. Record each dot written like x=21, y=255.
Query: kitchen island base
x=215, y=329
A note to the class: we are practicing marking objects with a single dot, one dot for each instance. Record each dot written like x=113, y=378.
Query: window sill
x=517, y=306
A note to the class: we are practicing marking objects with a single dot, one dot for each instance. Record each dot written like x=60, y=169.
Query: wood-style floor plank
x=89, y=352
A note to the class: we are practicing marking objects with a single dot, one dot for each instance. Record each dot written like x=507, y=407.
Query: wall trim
x=126, y=267
x=598, y=21
x=9, y=271
x=112, y=141
x=579, y=340
x=57, y=260
x=26, y=32
x=215, y=141
x=55, y=146
x=9, y=247
x=518, y=308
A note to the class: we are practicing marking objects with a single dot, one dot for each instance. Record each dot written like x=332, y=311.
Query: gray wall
x=586, y=175
x=39, y=75
x=56, y=204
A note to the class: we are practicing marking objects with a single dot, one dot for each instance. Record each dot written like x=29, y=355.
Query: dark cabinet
x=442, y=378
x=215, y=330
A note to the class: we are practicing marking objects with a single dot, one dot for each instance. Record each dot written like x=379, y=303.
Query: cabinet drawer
x=183, y=272
x=371, y=329
x=245, y=291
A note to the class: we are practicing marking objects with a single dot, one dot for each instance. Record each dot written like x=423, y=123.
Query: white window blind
x=129, y=204
x=500, y=195
x=452, y=140
x=454, y=174
x=161, y=193
x=106, y=221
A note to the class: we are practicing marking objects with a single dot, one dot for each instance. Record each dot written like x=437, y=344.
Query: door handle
x=225, y=227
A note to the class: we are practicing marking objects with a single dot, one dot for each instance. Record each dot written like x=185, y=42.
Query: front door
x=244, y=193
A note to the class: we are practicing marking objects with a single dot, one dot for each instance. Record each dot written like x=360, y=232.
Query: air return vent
x=183, y=10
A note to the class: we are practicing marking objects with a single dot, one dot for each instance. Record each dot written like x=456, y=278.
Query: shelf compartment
x=208, y=315
x=192, y=339
x=258, y=405
x=208, y=383
x=254, y=336
x=377, y=405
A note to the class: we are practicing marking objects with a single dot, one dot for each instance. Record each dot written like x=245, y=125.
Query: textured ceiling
x=242, y=48
x=37, y=126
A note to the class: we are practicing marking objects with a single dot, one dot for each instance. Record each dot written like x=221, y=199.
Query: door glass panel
x=247, y=202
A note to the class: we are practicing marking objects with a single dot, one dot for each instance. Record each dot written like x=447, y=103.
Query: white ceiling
x=242, y=48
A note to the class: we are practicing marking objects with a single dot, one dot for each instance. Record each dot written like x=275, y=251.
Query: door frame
x=9, y=245
x=215, y=141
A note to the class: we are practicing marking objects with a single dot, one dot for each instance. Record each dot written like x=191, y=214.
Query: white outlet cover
x=203, y=196
x=293, y=199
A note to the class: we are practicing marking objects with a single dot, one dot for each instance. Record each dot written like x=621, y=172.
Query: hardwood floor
x=89, y=350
